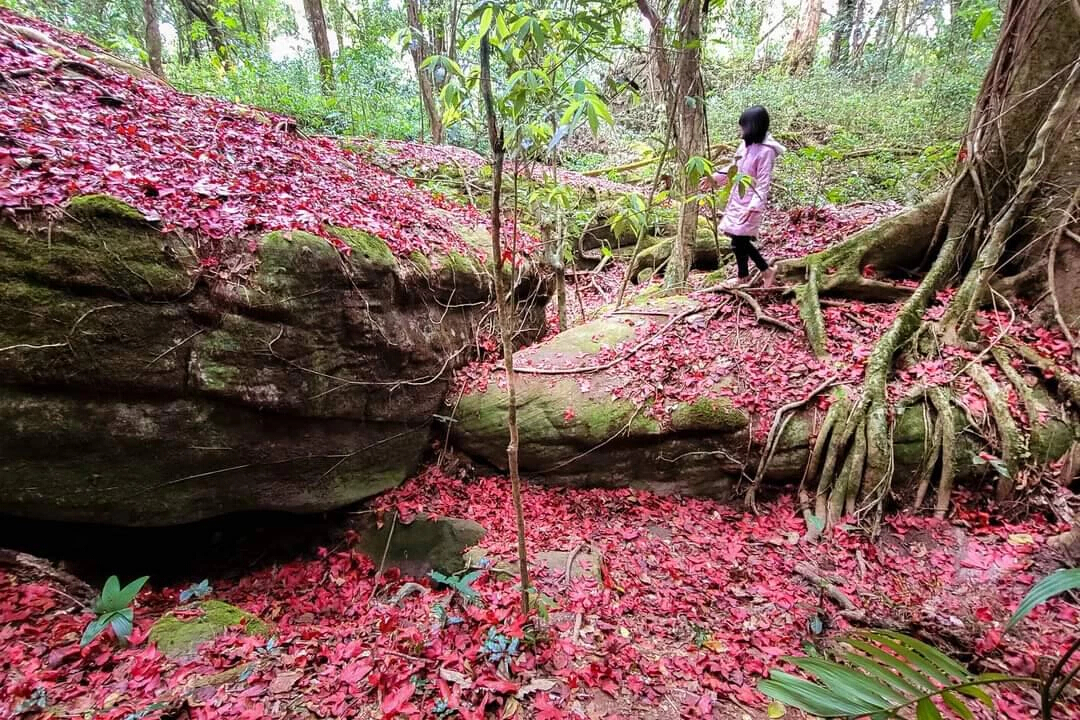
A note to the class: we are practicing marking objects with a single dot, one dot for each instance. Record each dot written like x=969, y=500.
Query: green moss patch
x=708, y=415
x=86, y=207
x=175, y=635
x=366, y=247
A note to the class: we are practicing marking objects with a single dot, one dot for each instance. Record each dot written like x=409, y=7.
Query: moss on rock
x=86, y=207
x=177, y=636
x=708, y=415
x=366, y=247
x=102, y=246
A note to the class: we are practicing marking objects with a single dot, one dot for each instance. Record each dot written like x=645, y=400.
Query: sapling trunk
x=505, y=309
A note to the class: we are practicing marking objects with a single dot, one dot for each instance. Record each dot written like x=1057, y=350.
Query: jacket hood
x=773, y=143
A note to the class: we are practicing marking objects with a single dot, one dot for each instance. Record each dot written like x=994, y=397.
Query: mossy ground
x=176, y=636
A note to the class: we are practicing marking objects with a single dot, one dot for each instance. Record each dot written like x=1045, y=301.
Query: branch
x=760, y=315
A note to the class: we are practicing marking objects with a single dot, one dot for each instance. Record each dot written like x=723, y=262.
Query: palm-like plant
x=887, y=674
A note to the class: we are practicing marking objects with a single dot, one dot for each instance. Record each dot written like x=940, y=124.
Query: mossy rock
x=423, y=545
x=88, y=207
x=366, y=248
x=179, y=636
x=103, y=245
x=708, y=415
x=589, y=338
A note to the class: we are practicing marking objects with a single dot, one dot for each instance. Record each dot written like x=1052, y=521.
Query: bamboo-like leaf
x=957, y=706
x=805, y=695
x=1050, y=586
x=855, y=685
x=932, y=654
x=93, y=630
x=909, y=673
x=109, y=593
x=883, y=673
x=127, y=595
x=927, y=710
x=909, y=655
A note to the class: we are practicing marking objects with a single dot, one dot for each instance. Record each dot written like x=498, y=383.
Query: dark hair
x=754, y=122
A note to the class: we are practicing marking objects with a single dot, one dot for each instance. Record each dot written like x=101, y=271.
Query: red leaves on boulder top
x=208, y=167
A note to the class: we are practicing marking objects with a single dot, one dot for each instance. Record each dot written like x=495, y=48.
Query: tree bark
x=659, y=57
x=841, y=42
x=802, y=48
x=203, y=11
x=418, y=48
x=689, y=98
x=153, y=37
x=317, y=22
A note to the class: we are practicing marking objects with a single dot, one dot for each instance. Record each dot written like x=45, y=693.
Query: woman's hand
x=712, y=181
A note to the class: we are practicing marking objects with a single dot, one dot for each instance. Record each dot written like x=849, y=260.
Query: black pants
x=744, y=249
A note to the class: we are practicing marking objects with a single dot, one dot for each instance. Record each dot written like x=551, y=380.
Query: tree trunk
x=690, y=137
x=317, y=22
x=153, y=37
x=841, y=43
x=203, y=11
x=1006, y=230
x=337, y=13
x=802, y=48
x=505, y=308
x=663, y=76
x=418, y=48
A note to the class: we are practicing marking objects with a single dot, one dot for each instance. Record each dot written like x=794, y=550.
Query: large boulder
x=139, y=388
x=585, y=428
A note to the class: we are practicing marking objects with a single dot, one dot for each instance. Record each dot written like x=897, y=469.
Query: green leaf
x=485, y=21
x=93, y=630
x=109, y=593
x=882, y=673
x=927, y=710
x=931, y=653
x=122, y=623
x=855, y=685
x=910, y=674
x=807, y=696
x=127, y=595
x=957, y=706
x=982, y=23
x=1050, y=586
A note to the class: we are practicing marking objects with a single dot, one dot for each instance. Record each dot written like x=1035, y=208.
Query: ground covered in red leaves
x=208, y=168
x=694, y=603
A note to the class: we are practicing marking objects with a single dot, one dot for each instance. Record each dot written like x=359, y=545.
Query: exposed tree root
x=810, y=312
x=835, y=417
x=947, y=424
x=780, y=422
x=1010, y=439
x=1068, y=385
x=929, y=463
x=760, y=315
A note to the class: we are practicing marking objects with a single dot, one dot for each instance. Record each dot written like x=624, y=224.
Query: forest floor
x=693, y=603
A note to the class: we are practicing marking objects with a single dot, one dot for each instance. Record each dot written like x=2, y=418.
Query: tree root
x=1010, y=438
x=827, y=588
x=780, y=422
x=810, y=312
x=760, y=315
x=947, y=424
x=1068, y=384
x=814, y=513
x=929, y=463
